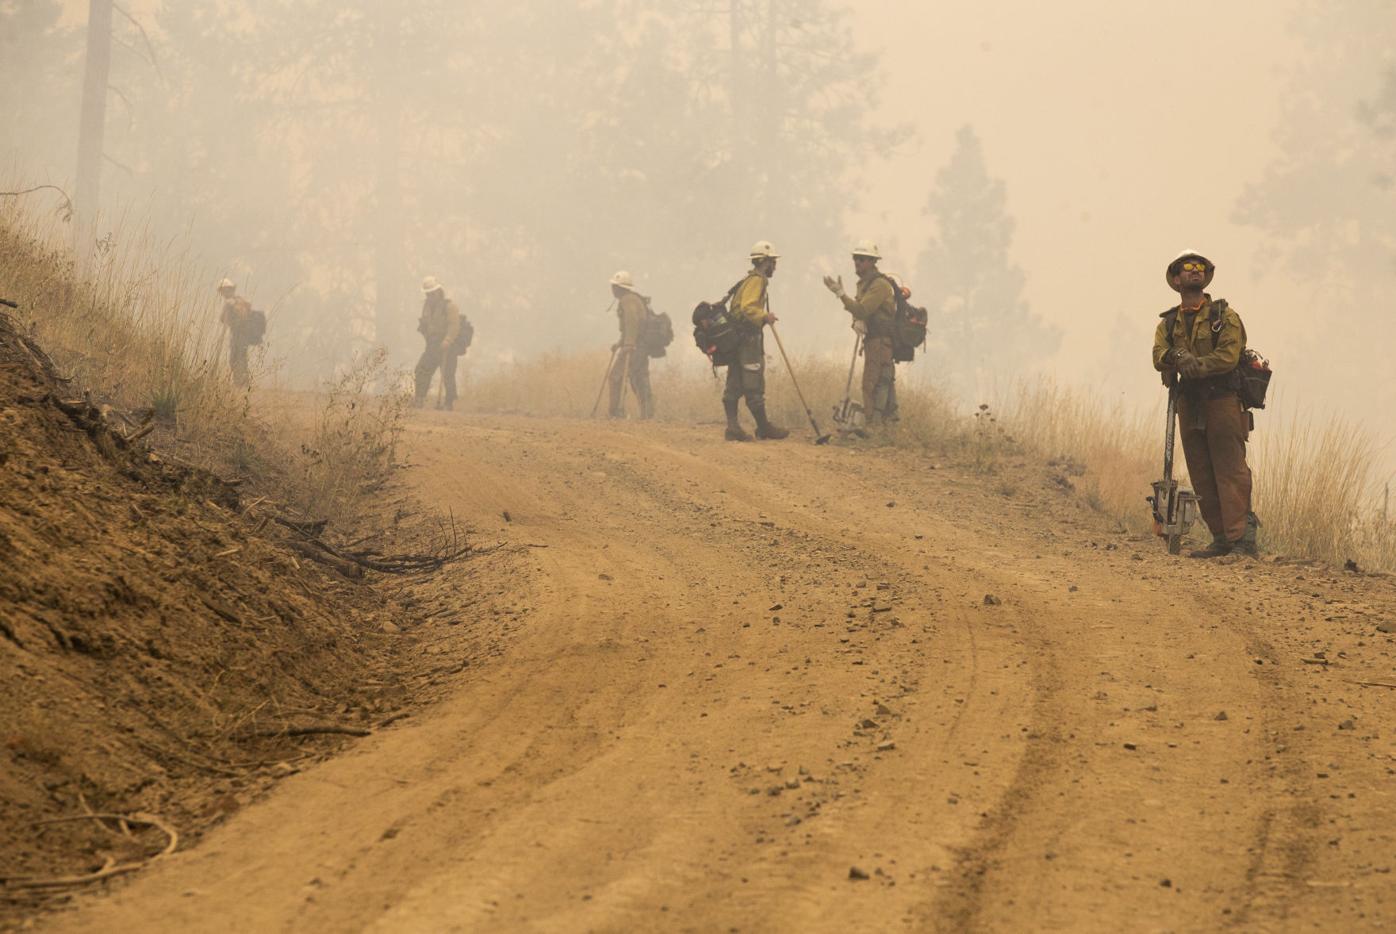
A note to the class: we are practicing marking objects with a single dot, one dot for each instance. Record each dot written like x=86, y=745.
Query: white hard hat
x=623, y=280
x=764, y=249
x=429, y=285
x=226, y=284
x=1169, y=272
x=866, y=248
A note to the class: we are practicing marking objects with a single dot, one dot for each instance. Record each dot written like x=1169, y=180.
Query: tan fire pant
x=1214, y=433
x=879, y=376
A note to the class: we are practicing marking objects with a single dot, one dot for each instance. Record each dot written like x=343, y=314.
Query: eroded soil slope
x=781, y=687
x=153, y=637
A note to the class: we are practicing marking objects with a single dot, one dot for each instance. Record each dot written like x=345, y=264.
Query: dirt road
x=712, y=679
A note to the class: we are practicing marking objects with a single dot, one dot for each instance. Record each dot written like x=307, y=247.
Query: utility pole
x=92, y=127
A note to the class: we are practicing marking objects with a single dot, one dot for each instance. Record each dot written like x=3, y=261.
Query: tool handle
x=604, y=380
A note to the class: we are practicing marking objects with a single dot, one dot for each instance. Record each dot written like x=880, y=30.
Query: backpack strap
x=1215, y=316
x=1170, y=321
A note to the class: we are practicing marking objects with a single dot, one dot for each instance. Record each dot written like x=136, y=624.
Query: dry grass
x=1118, y=452
x=133, y=329
x=354, y=446
x=137, y=328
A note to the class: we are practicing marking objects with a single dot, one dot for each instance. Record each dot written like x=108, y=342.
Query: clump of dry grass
x=354, y=447
x=1120, y=450
x=1314, y=489
x=136, y=327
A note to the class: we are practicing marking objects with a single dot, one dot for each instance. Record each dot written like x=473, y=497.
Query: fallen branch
x=111, y=867
x=1374, y=684
x=66, y=211
x=317, y=550
x=310, y=729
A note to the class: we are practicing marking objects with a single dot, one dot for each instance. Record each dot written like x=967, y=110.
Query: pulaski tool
x=819, y=436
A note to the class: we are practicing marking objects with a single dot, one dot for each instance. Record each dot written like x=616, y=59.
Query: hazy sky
x=1124, y=132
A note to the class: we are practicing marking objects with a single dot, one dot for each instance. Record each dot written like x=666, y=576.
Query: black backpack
x=255, y=327
x=463, y=338
x=1251, y=378
x=716, y=332
x=908, y=325
x=657, y=333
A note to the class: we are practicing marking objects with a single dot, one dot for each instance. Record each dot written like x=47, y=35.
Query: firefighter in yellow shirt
x=1198, y=344
x=746, y=376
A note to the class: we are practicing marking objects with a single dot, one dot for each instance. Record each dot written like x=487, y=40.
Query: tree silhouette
x=981, y=329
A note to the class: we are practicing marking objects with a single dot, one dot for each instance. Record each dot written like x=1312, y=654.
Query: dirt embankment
x=159, y=640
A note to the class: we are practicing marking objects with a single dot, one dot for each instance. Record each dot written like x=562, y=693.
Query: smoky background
x=1028, y=169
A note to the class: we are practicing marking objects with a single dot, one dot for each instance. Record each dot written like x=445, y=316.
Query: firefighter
x=1198, y=346
x=243, y=327
x=746, y=376
x=440, y=325
x=632, y=359
x=874, y=310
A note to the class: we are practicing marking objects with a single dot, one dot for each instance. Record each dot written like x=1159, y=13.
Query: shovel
x=846, y=412
x=819, y=436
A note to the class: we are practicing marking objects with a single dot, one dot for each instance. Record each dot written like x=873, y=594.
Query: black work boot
x=1217, y=549
x=1247, y=544
x=764, y=429
x=735, y=432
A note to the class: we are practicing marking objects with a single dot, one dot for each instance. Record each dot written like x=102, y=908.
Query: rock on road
x=760, y=687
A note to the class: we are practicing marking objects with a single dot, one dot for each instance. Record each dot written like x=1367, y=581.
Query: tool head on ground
x=430, y=285
x=763, y=249
x=623, y=280
x=1175, y=268
x=866, y=249
x=226, y=287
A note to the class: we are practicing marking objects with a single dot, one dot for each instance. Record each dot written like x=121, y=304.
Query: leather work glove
x=861, y=328
x=835, y=286
x=1189, y=367
x=615, y=347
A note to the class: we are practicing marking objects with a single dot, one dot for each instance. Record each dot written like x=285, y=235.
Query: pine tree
x=982, y=332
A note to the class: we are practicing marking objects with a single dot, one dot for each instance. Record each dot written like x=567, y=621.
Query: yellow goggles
x=1193, y=267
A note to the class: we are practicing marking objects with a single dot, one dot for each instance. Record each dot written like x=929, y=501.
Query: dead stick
x=1374, y=684
x=307, y=730
x=110, y=869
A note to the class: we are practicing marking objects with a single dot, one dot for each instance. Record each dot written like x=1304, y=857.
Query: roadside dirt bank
x=167, y=649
